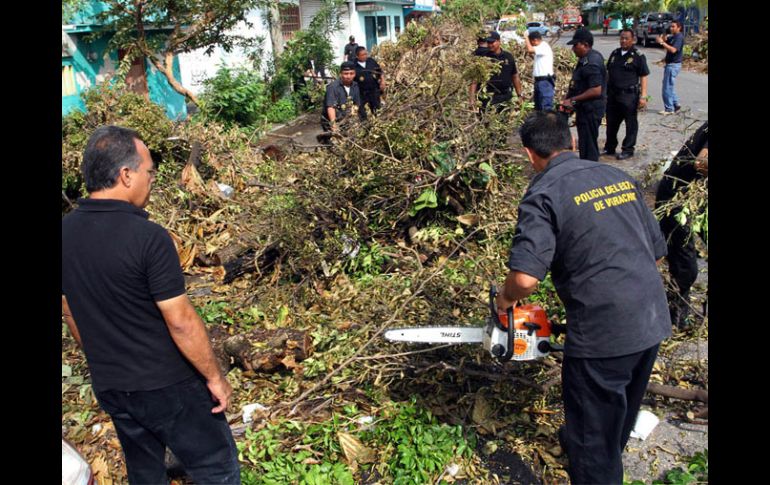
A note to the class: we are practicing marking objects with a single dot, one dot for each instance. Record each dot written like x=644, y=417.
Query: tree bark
x=268, y=350
x=679, y=393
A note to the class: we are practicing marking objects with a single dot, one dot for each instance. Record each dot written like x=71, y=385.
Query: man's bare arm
x=190, y=336
x=67, y=313
x=517, y=285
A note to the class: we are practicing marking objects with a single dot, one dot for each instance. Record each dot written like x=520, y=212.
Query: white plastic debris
x=74, y=468
x=452, y=469
x=248, y=411
x=645, y=423
x=365, y=420
x=227, y=191
x=96, y=428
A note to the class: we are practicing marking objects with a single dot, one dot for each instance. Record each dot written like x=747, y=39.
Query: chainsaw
x=528, y=338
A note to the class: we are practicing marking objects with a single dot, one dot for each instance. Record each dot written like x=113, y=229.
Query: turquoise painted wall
x=160, y=91
x=163, y=94
x=391, y=10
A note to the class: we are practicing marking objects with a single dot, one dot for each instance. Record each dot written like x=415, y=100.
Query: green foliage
x=370, y=261
x=271, y=460
x=427, y=200
x=419, y=448
x=239, y=97
x=545, y=295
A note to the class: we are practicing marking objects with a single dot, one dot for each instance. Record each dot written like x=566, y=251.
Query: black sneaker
x=624, y=155
x=677, y=108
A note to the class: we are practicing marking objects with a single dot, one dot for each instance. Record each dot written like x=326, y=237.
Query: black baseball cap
x=347, y=66
x=582, y=35
x=493, y=36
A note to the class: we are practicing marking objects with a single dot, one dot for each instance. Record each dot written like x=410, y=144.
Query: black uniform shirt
x=350, y=51
x=481, y=51
x=589, y=72
x=337, y=96
x=682, y=170
x=588, y=223
x=502, y=82
x=624, y=71
x=115, y=265
x=368, y=77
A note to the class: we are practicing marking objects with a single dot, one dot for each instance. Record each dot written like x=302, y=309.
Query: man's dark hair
x=351, y=38
x=545, y=133
x=630, y=31
x=534, y=35
x=359, y=49
x=108, y=150
x=347, y=66
x=681, y=27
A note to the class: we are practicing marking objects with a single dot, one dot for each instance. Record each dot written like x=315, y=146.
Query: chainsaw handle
x=509, y=331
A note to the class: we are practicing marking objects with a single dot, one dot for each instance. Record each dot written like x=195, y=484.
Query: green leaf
x=428, y=199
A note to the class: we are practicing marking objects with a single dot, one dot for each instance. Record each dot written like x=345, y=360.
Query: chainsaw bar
x=437, y=335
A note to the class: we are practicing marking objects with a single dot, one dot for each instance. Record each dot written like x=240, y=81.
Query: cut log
x=678, y=393
x=253, y=260
x=268, y=350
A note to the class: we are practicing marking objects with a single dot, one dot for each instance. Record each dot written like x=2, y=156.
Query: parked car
x=538, y=27
x=651, y=25
x=506, y=27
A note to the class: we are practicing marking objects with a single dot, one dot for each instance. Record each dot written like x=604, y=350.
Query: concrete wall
x=196, y=66
x=390, y=10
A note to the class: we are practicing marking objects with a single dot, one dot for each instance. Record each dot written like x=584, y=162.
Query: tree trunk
x=167, y=69
x=267, y=350
x=274, y=22
x=678, y=393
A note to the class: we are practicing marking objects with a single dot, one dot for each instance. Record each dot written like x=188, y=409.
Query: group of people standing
x=361, y=84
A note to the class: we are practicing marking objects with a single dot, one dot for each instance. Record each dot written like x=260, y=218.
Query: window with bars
x=68, y=87
x=290, y=20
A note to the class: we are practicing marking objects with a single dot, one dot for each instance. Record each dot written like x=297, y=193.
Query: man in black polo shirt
x=673, y=46
x=587, y=93
x=499, y=85
x=689, y=164
x=588, y=224
x=342, y=98
x=152, y=366
x=371, y=82
x=626, y=92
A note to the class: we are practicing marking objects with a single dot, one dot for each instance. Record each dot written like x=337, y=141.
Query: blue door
x=370, y=28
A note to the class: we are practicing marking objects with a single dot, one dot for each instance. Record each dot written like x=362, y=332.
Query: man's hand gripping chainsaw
x=528, y=338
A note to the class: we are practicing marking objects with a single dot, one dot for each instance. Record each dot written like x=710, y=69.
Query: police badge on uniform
x=361, y=78
x=630, y=60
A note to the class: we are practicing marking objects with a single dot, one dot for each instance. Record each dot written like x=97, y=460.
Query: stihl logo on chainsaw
x=451, y=334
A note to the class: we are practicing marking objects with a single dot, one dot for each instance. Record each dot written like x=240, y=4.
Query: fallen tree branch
x=678, y=393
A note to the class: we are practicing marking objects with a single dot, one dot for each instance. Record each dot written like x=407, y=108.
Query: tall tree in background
x=474, y=12
x=193, y=24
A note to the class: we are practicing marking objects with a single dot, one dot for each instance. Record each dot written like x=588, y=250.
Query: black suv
x=651, y=25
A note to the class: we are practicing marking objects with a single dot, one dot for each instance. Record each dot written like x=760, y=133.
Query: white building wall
x=196, y=66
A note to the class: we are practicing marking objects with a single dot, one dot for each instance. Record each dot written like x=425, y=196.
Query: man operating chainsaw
x=588, y=224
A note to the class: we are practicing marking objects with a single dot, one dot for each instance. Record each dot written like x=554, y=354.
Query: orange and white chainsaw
x=528, y=338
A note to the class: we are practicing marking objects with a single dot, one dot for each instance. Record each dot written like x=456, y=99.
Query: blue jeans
x=178, y=416
x=670, y=99
x=544, y=95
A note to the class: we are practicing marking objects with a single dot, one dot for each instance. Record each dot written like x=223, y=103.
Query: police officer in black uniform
x=370, y=80
x=588, y=224
x=587, y=93
x=689, y=164
x=499, y=85
x=342, y=98
x=626, y=92
x=481, y=45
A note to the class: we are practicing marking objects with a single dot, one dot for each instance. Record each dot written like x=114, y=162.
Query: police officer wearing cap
x=588, y=223
x=499, y=85
x=342, y=98
x=370, y=80
x=481, y=45
x=587, y=93
x=626, y=93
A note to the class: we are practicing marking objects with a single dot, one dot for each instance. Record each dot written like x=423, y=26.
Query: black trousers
x=587, y=120
x=371, y=99
x=682, y=265
x=622, y=107
x=500, y=101
x=178, y=416
x=601, y=400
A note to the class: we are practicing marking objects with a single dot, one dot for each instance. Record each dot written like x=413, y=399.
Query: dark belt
x=544, y=78
x=633, y=89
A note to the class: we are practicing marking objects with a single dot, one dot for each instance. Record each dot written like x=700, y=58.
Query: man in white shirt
x=542, y=70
